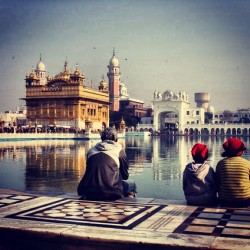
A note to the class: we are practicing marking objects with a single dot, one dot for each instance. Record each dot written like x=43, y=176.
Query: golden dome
x=65, y=75
x=33, y=75
x=77, y=73
x=122, y=122
x=103, y=84
x=49, y=78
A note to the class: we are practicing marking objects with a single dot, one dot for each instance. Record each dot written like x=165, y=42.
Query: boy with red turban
x=199, y=184
x=232, y=175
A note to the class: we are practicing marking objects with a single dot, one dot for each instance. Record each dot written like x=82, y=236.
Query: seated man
x=106, y=170
x=233, y=175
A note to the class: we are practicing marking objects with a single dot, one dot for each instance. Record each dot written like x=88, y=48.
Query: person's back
x=199, y=184
x=232, y=175
x=106, y=168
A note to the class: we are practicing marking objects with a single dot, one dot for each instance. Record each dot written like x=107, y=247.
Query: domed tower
x=103, y=85
x=32, y=78
x=78, y=77
x=41, y=72
x=65, y=75
x=122, y=125
x=114, y=82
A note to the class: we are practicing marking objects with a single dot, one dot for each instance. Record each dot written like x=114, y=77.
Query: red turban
x=233, y=147
x=199, y=152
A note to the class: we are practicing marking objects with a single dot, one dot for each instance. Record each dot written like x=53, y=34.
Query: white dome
x=210, y=109
x=114, y=61
x=40, y=66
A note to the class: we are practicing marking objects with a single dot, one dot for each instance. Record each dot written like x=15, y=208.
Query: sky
x=189, y=45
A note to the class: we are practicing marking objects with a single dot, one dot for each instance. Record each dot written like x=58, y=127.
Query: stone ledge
x=32, y=221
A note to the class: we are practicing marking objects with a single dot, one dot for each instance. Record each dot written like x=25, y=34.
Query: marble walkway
x=31, y=221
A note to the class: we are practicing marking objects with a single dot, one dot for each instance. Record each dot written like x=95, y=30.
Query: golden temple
x=64, y=100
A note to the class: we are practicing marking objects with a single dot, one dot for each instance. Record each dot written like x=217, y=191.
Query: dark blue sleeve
x=123, y=165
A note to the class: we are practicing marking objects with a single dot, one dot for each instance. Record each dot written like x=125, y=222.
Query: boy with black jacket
x=106, y=170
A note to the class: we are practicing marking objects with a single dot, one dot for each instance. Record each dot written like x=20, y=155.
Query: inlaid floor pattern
x=219, y=222
x=121, y=215
x=9, y=199
x=234, y=223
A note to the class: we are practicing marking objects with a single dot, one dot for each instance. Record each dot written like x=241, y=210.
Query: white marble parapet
x=47, y=136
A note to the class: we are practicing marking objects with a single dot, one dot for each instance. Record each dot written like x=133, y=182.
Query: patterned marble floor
x=234, y=223
x=163, y=220
x=103, y=214
x=9, y=199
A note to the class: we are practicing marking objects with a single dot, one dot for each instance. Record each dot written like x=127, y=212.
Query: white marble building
x=173, y=113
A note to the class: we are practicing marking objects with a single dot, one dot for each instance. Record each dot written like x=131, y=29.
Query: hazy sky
x=189, y=45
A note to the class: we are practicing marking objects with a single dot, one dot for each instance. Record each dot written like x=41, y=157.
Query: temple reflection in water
x=56, y=166
x=51, y=165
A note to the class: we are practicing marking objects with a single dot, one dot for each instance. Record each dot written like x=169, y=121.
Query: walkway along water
x=32, y=221
x=88, y=135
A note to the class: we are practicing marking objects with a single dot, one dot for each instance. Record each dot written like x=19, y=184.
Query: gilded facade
x=64, y=100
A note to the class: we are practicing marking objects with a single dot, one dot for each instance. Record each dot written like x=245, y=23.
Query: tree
x=228, y=115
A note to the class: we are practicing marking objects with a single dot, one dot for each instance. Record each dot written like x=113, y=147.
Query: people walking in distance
x=106, y=171
x=199, y=183
x=232, y=175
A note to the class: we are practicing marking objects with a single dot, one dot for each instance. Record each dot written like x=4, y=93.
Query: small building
x=173, y=114
x=9, y=118
x=133, y=107
x=227, y=116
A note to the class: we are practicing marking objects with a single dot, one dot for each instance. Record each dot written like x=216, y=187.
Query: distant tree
x=244, y=120
x=208, y=117
x=115, y=118
x=228, y=116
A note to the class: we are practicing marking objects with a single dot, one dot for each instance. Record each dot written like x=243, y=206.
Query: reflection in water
x=45, y=166
x=57, y=166
x=156, y=163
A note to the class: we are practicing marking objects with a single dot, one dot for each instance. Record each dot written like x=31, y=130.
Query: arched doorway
x=191, y=131
x=204, y=131
x=222, y=131
x=245, y=131
x=212, y=131
x=168, y=121
x=238, y=131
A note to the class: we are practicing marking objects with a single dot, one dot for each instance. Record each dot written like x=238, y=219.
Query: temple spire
x=66, y=65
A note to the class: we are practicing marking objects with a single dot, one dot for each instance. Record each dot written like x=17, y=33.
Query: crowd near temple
x=66, y=102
